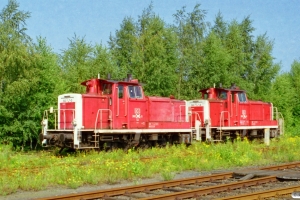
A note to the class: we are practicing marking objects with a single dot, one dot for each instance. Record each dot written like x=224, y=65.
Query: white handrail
x=56, y=122
x=110, y=117
x=197, y=116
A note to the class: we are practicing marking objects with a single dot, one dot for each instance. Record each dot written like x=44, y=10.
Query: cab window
x=135, y=92
x=120, y=91
x=107, y=88
x=242, y=97
x=223, y=95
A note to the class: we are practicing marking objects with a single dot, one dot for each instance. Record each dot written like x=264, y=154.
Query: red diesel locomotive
x=118, y=114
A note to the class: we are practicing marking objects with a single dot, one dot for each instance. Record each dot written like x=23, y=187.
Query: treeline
x=177, y=59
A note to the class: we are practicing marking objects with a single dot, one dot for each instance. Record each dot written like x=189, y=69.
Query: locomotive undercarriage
x=89, y=139
x=250, y=134
x=103, y=141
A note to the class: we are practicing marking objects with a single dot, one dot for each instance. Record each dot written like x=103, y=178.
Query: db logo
x=244, y=114
x=137, y=113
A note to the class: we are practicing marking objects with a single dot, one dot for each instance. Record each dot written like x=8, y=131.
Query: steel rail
x=283, y=166
x=264, y=194
x=140, y=188
x=213, y=189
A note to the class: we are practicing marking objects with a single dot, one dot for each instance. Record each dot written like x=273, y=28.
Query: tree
x=215, y=63
x=122, y=46
x=51, y=82
x=283, y=97
x=147, y=49
x=262, y=70
x=251, y=63
x=17, y=77
x=12, y=34
x=294, y=105
x=155, y=57
x=191, y=30
x=76, y=63
x=102, y=63
x=30, y=79
x=82, y=61
x=220, y=27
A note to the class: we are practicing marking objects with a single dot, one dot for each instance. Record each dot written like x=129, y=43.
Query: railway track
x=265, y=194
x=141, y=188
x=195, y=187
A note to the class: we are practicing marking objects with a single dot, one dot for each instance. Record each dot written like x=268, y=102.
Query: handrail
x=222, y=117
x=173, y=112
x=55, y=119
x=180, y=111
x=55, y=112
x=231, y=105
x=197, y=116
x=126, y=101
x=276, y=113
x=237, y=104
x=282, y=122
x=118, y=99
x=64, y=111
x=110, y=117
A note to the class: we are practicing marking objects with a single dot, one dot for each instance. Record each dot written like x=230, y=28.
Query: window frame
x=135, y=92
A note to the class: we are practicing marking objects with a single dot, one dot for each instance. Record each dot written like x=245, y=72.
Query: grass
x=39, y=170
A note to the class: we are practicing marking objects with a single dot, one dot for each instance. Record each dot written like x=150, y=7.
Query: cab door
x=243, y=109
x=137, y=107
x=239, y=109
x=121, y=111
x=234, y=109
x=223, y=105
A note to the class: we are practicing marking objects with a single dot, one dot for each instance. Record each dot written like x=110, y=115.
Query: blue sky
x=60, y=20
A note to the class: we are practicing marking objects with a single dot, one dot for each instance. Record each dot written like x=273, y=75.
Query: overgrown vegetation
x=177, y=59
x=37, y=171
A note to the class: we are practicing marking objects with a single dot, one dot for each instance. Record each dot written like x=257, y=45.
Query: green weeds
x=37, y=171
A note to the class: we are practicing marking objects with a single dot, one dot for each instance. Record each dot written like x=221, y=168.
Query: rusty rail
x=283, y=166
x=140, y=188
x=213, y=189
x=264, y=194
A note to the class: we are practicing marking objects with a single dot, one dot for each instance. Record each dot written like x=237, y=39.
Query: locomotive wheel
x=144, y=145
x=114, y=146
x=61, y=149
x=126, y=147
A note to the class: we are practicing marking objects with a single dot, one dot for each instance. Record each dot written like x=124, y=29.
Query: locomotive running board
x=242, y=127
x=118, y=131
